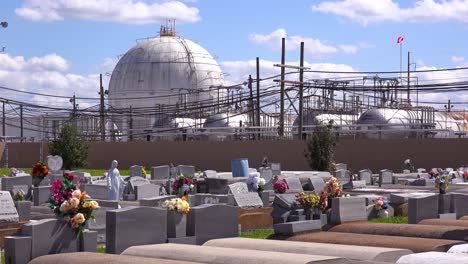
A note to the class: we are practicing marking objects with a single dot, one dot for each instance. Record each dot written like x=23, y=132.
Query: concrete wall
x=358, y=154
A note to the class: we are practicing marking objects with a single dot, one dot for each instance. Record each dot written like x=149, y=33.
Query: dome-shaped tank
x=220, y=126
x=313, y=118
x=166, y=70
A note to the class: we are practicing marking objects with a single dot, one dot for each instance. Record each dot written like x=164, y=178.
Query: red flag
x=400, y=39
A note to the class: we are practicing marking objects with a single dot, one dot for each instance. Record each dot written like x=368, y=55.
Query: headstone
x=23, y=182
x=54, y=163
x=137, y=181
x=365, y=175
x=401, y=198
x=296, y=227
x=210, y=174
x=294, y=184
x=52, y=236
x=406, y=171
x=445, y=202
x=243, y=197
x=8, y=213
x=276, y=168
x=348, y=209
x=212, y=221
x=160, y=172
x=287, y=201
x=266, y=174
x=207, y=198
x=132, y=226
x=99, y=182
x=385, y=177
x=341, y=166
x=25, y=190
x=423, y=207
x=316, y=184
x=216, y=186
x=343, y=176
x=135, y=171
x=40, y=195
x=99, y=224
x=459, y=204
x=187, y=170
x=155, y=202
x=96, y=191
x=358, y=184
x=421, y=170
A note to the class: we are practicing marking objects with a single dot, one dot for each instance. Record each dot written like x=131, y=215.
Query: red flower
x=57, y=184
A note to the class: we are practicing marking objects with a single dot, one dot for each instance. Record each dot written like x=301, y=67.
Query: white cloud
x=49, y=75
x=366, y=12
x=457, y=59
x=312, y=46
x=119, y=11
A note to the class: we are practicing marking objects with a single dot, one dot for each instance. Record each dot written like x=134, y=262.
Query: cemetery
x=150, y=215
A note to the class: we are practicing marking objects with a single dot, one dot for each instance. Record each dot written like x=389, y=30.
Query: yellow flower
x=78, y=220
x=184, y=198
x=64, y=207
x=94, y=205
x=74, y=202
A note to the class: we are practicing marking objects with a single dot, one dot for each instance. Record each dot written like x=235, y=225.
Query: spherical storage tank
x=166, y=70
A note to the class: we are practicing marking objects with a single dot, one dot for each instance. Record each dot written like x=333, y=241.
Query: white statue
x=115, y=183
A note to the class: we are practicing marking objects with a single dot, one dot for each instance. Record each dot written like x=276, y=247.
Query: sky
x=61, y=46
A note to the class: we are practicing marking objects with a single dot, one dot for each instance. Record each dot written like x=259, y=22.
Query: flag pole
x=401, y=58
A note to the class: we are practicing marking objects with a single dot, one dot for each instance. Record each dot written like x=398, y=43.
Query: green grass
x=391, y=220
x=7, y=171
x=258, y=234
x=101, y=250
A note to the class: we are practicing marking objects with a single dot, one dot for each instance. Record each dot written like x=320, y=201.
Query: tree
x=321, y=148
x=72, y=147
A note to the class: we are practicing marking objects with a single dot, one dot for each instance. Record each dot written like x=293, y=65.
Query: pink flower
x=57, y=184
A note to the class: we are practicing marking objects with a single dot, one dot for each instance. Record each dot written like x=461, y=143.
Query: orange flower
x=83, y=196
x=184, y=198
x=46, y=171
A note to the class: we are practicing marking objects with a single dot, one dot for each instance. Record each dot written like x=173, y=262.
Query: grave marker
x=8, y=213
x=54, y=163
x=160, y=172
x=365, y=175
x=423, y=207
x=135, y=171
x=187, y=170
x=385, y=177
x=294, y=185
x=243, y=197
x=316, y=184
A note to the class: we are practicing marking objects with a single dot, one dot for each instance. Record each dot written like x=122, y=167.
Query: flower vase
x=442, y=190
x=176, y=224
x=183, y=190
x=382, y=213
x=36, y=181
x=316, y=214
x=308, y=213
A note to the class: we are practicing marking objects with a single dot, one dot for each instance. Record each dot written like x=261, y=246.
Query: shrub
x=72, y=147
x=321, y=148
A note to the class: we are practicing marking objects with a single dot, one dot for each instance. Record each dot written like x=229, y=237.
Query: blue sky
x=85, y=39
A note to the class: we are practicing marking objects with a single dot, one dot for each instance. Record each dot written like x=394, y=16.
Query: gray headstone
x=212, y=221
x=135, y=171
x=206, y=198
x=210, y=174
x=99, y=182
x=146, y=191
x=187, y=170
x=155, y=202
x=266, y=174
x=365, y=175
x=160, y=172
x=421, y=170
x=52, y=236
x=54, y=163
x=358, y=184
x=294, y=184
x=133, y=226
x=316, y=184
x=23, y=189
x=41, y=195
x=243, y=197
x=445, y=203
x=99, y=225
x=348, y=209
x=459, y=204
x=286, y=200
x=423, y=207
x=276, y=168
x=96, y=191
x=386, y=177
x=137, y=181
x=341, y=166
x=292, y=228
x=8, y=213
x=343, y=176
x=400, y=198
x=216, y=186
x=9, y=182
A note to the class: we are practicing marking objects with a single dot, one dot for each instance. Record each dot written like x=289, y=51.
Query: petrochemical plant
x=170, y=88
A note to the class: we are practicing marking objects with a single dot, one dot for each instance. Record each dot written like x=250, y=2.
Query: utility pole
x=301, y=92
x=283, y=69
x=3, y=120
x=21, y=123
x=251, y=108
x=130, y=125
x=101, y=110
x=258, y=93
x=408, y=88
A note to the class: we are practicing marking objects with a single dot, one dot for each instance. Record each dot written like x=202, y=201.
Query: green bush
x=321, y=148
x=72, y=147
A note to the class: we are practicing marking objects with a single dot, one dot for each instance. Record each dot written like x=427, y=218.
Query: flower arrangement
x=255, y=181
x=18, y=195
x=380, y=203
x=433, y=173
x=323, y=204
x=308, y=200
x=177, y=204
x=280, y=187
x=143, y=170
x=333, y=188
x=69, y=202
x=185, y=183
x=14, y=171
x=40, y=170
x=442, y=181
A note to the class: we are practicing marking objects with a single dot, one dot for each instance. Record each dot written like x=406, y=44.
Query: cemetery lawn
x=101, y=249
x=100, y=172
x=391, y=220
x=7, y=171
x=258, y=234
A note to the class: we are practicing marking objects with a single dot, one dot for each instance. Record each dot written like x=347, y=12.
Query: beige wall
x=358, y=154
